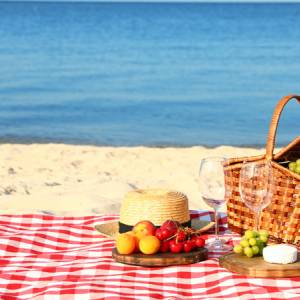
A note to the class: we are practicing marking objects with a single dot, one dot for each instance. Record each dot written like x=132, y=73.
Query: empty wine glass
x=212, y=188
x=256, y=187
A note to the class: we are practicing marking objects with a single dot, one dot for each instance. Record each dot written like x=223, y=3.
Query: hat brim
x=111, y=229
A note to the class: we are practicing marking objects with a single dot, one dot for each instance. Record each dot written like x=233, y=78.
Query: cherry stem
x=187, y=230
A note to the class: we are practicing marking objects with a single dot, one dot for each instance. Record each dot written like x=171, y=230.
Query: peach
x=149, y=244
x=137, y=239
x=126, y=243
x=144, y=228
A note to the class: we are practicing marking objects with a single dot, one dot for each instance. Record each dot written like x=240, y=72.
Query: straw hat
x=111, y=229
x=155, y=205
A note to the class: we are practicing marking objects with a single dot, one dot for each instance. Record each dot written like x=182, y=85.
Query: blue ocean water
x=147, y=74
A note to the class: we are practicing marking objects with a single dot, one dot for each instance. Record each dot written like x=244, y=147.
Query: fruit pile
x=169, y=237
x=294, y=166
x=252, y=243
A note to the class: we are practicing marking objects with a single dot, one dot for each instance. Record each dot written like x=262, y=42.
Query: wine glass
x=256, y=187
x=212, y=188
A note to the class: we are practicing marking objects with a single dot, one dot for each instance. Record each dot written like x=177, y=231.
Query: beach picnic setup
x=149, y=150
x=159, y=248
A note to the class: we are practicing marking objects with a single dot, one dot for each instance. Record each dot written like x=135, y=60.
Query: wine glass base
x=218, y=245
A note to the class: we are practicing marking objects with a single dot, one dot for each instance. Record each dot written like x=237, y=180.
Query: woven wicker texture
x=282, y=217
x=156, y=205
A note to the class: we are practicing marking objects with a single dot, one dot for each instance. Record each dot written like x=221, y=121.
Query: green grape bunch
x=252, y=243
x=294, y=166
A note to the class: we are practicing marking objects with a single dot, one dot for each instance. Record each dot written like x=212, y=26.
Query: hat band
x=124, y=227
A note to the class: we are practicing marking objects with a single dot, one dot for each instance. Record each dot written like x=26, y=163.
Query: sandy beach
x=87, y=180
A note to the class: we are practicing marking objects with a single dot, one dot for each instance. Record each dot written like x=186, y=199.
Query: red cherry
x=170, y=225
x=194, y=237
x=166, y=233
x=181, y=236
x=188, y=246
x=200, y=242
x=193, y=243
x=176, y=247
x=164, y=246
x=158, y=234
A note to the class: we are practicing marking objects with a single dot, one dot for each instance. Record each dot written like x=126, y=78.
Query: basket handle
x=274, y=124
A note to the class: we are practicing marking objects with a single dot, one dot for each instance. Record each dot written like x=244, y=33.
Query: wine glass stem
x=257, y=219
x=216, y=224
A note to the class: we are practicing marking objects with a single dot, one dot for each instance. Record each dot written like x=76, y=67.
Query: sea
x=152, y=74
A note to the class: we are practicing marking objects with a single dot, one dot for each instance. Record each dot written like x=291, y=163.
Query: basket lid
x=155, y=205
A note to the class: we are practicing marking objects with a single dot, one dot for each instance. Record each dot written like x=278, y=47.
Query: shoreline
x=78, y=180
x=159, y=146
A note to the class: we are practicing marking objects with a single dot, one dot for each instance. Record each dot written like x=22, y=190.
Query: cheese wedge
x=280, y=254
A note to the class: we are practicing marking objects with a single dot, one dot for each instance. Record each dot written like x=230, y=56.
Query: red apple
x=144, y=228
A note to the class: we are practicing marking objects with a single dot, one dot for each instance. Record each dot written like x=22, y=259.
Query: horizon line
x=164, y=1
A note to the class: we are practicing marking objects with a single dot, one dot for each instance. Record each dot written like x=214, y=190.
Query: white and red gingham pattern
x=50, y=258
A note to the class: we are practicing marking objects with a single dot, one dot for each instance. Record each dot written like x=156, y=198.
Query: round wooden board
x=161, y=259
x=257, y=267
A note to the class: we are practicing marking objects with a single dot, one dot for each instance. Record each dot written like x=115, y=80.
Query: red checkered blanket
x=47, y=257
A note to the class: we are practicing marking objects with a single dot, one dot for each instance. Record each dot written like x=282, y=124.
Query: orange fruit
x=149, y=244
x=126, y=243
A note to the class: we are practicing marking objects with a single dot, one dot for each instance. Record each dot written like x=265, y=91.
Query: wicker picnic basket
x=282, y=216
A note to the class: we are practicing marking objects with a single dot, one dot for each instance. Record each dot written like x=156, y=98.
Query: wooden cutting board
x=161, y=259
x=257, y=267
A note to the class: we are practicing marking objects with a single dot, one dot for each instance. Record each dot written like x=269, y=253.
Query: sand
x=87, y=180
